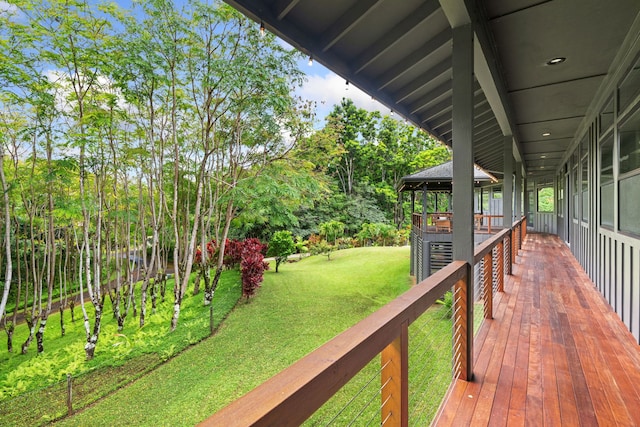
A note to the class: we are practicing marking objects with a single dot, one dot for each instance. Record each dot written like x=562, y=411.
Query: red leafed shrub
x=314, y=239
x=212, y=247
x=232, y=253
x=252, y=266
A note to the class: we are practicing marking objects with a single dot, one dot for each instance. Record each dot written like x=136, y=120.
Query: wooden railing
x=294, y=394
x=480, y=220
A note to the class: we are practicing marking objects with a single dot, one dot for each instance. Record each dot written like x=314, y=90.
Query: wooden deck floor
x=554, y=354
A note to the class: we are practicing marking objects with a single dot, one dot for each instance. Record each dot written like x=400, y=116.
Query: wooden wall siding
x=555, y=353
x=545, y=223
x=627, y=258
x=615, y=263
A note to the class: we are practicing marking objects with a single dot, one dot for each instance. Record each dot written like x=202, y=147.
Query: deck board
x=554, y=354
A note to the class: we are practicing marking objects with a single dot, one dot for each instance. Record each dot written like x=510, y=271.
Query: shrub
x=281, y=246
x=302, y=246
x=252, y=266
x=447, y=302
x=232, y=253
x=344, y=243
x=322, y=248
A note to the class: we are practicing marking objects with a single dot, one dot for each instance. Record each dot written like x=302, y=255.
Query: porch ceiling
x=399, y=52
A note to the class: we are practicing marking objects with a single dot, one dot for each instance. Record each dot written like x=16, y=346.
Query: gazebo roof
x=438, y=178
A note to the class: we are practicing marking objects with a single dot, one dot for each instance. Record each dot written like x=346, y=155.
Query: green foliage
x=321, y=248
x=447, y=302
x=377, y=234
x=301, y=245
x=281, y=246
x=331, y=230
x=546, y=199
x=21, y=373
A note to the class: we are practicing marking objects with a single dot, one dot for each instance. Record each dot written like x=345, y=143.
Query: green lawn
x=294, y=312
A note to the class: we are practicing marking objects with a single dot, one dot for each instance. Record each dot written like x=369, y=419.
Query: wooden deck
x=554, y=354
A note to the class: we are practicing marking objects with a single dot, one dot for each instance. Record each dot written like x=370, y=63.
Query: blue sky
x=322, y=85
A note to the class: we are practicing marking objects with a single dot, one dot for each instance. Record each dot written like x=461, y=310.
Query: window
x=606, y=117
x=630, y=87
x=560, y=194
x=606, y=182
x=628, y=200
x=629, y=185
x=606, y=161
x=630, y=144
x=545, y=199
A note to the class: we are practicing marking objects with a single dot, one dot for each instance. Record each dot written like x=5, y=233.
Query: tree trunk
x=31, y=325
x=9, y=329
x=196, y=284
x=62, y=329
x=90, y=346
x=40, y=333
x=143, y=301
x=154, y=297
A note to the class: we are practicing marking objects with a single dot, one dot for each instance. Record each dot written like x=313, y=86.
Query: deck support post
x=412, y=248
x=507, y=182
x=463, y=241
x=518, y=191
x=395, y=380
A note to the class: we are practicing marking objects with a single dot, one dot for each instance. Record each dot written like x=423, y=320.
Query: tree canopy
x=132, y=139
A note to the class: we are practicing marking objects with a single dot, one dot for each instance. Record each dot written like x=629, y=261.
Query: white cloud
x=63, y=89
x=10, y=10
x=328, y=90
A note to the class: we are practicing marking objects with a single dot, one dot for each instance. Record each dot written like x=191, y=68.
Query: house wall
x=598, y=199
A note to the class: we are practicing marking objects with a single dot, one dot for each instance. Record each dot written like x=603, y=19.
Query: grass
x=294, y=312
x=33, y=387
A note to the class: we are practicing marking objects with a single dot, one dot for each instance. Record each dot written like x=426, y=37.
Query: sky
x=322, y=85
x=327, y=89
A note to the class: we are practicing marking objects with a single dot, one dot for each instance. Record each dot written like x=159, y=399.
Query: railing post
x=524, y=231
x=487, y=285
x=500, y=272
x=395, y=380
x=69, y=395
x=463, y=328
x=514, y=247
x=507, y=254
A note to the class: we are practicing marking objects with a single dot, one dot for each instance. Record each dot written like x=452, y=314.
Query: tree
x=281, y=246
x=355, y=127
x=331, y=230
x=321, y=248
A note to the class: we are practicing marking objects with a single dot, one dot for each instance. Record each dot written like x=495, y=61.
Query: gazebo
x=431, y=234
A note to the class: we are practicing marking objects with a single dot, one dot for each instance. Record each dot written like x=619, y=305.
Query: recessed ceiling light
x=546, y=134
x=556, y=61
x=541, y=167
x=543, y=156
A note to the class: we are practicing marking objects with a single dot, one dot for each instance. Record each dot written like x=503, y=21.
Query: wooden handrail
x=485, y=247
x=294, y=394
